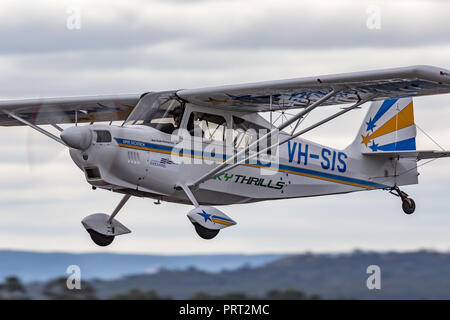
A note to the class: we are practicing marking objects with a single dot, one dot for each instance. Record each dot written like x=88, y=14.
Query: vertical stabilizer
x=388, y=126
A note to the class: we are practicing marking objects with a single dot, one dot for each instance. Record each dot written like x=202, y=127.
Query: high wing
x=251, y=97
x=301, y=92
x=66, y=110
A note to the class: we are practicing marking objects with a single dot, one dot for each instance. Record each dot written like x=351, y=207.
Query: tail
x=386, y=143
x=388, y=130
x=388, y=126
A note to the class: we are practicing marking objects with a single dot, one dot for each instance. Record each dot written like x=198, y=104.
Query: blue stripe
x=387, y=104
x=281, y=166
x=408, y=144
x=383, y=109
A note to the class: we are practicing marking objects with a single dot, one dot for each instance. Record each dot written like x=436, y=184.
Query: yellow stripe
x=403, y=119
x=253, y=165
x=226, y=223
x=327, y=179
x=310, y=176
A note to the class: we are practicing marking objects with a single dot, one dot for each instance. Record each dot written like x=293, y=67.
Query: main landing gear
x=408, y=204
x=207, y=221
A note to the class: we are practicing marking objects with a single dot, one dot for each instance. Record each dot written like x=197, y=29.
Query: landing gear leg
x=119, y=206
x=408, y=204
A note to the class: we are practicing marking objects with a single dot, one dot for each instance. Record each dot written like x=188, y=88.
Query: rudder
x=388, y=126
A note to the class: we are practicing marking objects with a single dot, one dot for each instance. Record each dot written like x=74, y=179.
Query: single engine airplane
x=214, y=146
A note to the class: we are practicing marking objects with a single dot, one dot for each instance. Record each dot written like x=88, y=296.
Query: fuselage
x=143, y=161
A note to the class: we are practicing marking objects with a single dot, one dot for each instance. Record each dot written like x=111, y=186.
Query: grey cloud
x=54, y=37
x=222, y=26
x=310, y=29
x=42, y=28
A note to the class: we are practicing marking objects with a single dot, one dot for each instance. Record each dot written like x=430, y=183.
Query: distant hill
x=415, y=275
x=408, y=275
x=41, y=266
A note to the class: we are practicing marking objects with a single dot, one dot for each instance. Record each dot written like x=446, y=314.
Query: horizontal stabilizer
x=417, y=154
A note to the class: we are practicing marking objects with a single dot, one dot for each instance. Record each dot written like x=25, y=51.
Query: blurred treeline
x=13, y=289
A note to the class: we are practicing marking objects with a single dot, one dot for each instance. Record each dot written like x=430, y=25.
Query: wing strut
x=54, y=125
x=230, y=160
x=356, y=105
x=35, y=127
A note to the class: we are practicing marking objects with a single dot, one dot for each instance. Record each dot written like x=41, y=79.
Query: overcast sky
x=138, y=46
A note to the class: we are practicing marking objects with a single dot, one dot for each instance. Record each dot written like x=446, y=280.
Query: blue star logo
x=370, y=125
x=374, y=146
x=205, y=215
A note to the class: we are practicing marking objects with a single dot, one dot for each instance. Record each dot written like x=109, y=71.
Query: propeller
x=35, y=157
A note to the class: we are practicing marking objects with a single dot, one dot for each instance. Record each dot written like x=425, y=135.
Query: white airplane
x=211, y=146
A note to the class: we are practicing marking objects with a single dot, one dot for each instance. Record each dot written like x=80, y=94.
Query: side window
x=243, y=135
x=209, y=126
x=245, y=132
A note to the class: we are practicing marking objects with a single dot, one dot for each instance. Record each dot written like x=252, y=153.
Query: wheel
x=408, y=206
x=204, y=232
x=100, y=239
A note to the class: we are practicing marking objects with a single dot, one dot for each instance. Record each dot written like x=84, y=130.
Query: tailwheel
x=100, y=239
x=408, y=205
x=205, y=233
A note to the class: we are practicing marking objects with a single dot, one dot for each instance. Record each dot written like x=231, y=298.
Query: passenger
x=194, y=129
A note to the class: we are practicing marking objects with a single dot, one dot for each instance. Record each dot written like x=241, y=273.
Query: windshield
x=162, y=111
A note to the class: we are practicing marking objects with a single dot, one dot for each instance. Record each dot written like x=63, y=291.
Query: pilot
x=177, y=114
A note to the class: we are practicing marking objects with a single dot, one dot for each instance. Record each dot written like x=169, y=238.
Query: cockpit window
x=208, y=126
x=162, y=111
